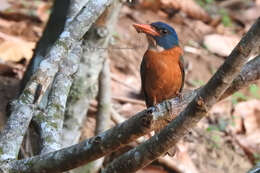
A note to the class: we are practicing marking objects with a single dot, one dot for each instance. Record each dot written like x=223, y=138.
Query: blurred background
x=227, y=140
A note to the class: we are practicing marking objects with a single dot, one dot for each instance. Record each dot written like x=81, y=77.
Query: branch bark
x=256, y=169
x=104, y=109
x=205, y=98
x=249, y=73
x=104, y=99
x=50, y=122
x=112, y=139
x=53, y=29
x=85, y=86
x=14, y=131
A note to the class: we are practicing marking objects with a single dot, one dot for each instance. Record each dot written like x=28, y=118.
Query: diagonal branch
x=116, y=137
x=249, y=73
x=193, y=113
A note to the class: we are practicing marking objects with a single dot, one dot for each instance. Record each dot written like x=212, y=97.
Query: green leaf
x=225, y=19
x=197, y=83
x=254, y=91
x=237, y=97
x=212, y=128
x=209, y=1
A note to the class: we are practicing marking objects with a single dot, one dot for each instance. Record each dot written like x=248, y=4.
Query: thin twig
x=128, y=100
x=116, y=117
x=115, y=78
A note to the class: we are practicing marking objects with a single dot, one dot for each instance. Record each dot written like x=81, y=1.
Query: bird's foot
x=179, y=95
x=152, y=109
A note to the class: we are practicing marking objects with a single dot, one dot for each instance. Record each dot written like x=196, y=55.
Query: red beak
x=147, y=29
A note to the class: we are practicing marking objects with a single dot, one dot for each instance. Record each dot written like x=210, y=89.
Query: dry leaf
x=183, y=157
x=12, y=69
x=4, y=5
x=191, y=8
x=252, y=13
x=151, y=4
x=43, y=11
x=250, y=144
x=252, y=141
x=5, y=68
x=222, y=108
x=202, y=28
x=220, y=44
x=15, y=51
x=250, y=113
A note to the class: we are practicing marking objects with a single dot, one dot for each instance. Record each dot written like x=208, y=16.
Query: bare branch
x=249, y=73
x=50, y=123
x=108, y=141
x=195, y=111
x=94, y=53
x=256, y=169
x=12, y=135
x=112, y=139
x=104, y=108
x=104, y=99
x=22, y=112
x=75, y=7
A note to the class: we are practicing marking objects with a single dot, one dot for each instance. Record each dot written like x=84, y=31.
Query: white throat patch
x=153, y=45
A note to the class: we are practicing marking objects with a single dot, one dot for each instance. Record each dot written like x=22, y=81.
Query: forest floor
x=227, y=140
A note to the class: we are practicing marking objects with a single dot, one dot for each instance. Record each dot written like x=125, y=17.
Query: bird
x=162, y=67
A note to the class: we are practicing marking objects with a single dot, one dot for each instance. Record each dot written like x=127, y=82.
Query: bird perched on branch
x=162, y=67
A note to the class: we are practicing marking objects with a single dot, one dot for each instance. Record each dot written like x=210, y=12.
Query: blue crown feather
x=167, y=40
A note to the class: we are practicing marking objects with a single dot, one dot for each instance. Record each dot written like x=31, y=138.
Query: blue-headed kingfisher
x=162, y=67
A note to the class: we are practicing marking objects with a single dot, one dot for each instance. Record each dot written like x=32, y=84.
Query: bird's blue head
x=164, y=35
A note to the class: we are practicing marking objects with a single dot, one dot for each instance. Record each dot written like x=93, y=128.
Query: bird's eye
x=163, y=31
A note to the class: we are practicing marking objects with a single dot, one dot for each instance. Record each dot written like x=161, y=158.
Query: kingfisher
x=162, y=66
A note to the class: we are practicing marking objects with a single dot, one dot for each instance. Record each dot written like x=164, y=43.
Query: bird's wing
x=181, y=64
x=143, y=72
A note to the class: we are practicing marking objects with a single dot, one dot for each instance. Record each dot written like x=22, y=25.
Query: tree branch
x=104, y=99
x=193, y=113
x=85, y=85
x=50, y=122
x=53, y=29
x=249, y=73
x=255, y=169
x=13, y=133
x=75, y=7
x=104, y=109
x=112, y=139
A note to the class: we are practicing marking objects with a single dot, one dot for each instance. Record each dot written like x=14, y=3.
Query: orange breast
x=162, y=75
